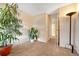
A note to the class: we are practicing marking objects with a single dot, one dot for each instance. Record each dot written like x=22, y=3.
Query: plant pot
x=5, y=50
x=32, y=40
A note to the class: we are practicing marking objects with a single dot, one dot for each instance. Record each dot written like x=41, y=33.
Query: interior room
x=39, y=29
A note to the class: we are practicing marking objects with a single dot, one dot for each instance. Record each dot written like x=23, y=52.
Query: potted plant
x=33, y=34
x=9, y=25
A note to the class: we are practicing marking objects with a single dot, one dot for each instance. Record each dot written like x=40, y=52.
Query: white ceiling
x=38, y=8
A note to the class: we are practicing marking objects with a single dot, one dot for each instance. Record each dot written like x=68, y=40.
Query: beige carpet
x=40, y=49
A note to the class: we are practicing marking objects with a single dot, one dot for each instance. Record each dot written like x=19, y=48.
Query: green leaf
x=9, y=23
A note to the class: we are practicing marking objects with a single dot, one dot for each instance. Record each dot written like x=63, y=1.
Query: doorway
x=55, y=27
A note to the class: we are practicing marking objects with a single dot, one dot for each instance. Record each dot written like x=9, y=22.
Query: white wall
x=64, y=32
x=41, y=23
x=26, y=23
x=77, y=30
x=77, y=34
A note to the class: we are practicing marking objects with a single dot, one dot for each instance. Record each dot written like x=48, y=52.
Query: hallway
x=40, y=49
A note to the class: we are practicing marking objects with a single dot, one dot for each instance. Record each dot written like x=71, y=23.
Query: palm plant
x=9, y=24
x=33, y=33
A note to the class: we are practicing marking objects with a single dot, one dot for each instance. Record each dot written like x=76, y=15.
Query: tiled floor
x=40, y=49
